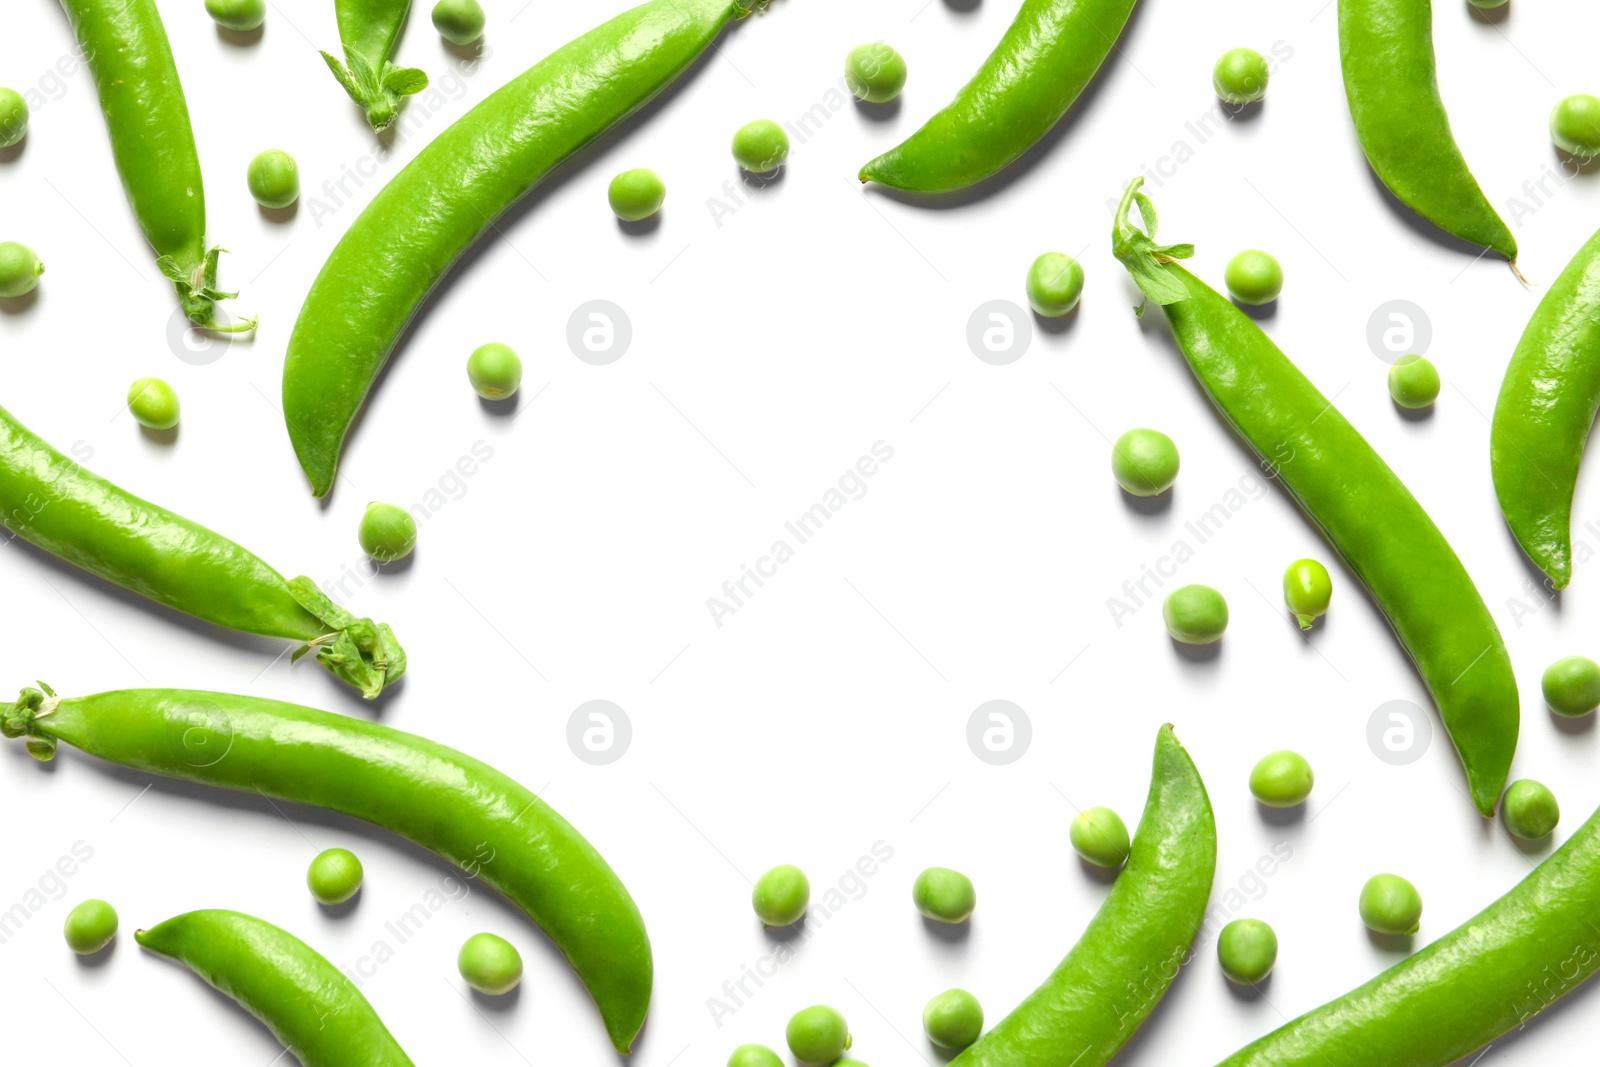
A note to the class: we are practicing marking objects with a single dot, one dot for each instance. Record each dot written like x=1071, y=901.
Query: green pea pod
x=417, y=226
x=309, y=1005
x=49, y=500
x=368, y=30
x=1546, y=408
x=1042, y=64
x=1494, y=973
x=1386, y=52
x=1352, y=497
x=125, y=45
x=1122, y=965
x=443, y=800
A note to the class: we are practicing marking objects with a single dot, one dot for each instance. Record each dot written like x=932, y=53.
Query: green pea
x=1572, y=686
x=1281, y=780
x=944, y=895
x=781, y=895
x=241, y=16
x=459, y=21
x=1247, y=949
x=1100, y=837
x=1307, y=588
x=154, y=403
x=760, y=147
x=1195, y=614
x=847, y=1062
x=1391, y=905
x=1575, y=125
x=1487, y=3
x=1055, y=283
x=387, y=532
x=875, y=72
x=953, y=1019
x=635, y=195
x=1144, y=462
x=90, y=927
x=1530, y=809
x=494, y=370
x=1240, y=76
x=19, y=269
x=817, y=1036
x=1413, y=382
x=754, y=1056
x=490, y=964
x=334, y=876
x=274, y=179
x=1253, y=277
x=13, y=117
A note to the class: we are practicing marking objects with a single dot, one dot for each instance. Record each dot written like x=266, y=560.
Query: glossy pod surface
x=1490, y=975
x=309, y=1005
x=1133, y=948
x=430, y=794
x=418, y=225
x=1386, y=53
x=1042, y=64
x=1546, y=408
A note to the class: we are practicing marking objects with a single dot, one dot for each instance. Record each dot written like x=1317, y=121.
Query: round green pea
x=754, y=1056
x=1572, y=686
x=1055, y=283
x=490, y=964
x=1530, y=809
x=1247, y=949
x=944, y=895
x=334, y=876
x=1281, y=780
x=953, y=1019
x=1307, y=588
x=1253, y=277
x=1144, y=462
x=1487, y=3
x=635, y=195
x=1413, y=382
x=274, y=179
x=1100, y=837
x=1391, y=905
x=781, y=895
x=875, y=72
x=1195, y=614
x=847, y=1062
x=1575, y=125
x=90, y=927
x=760, y=147
x=494, y=370
x=154, y=403
x=241, y=16
x=459, y=21
x=1240, y=76
x=387, y=532
x=13, y=117
x=817, y=1036
x=19, y=269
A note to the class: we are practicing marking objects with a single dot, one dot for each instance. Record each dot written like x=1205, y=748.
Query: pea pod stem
x=1350, y=495
x=434, y=796
x=368, y=30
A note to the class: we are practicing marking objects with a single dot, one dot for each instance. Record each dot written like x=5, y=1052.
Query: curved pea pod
x=309, y=1005
x=1350, y=495
x=368, y=31
x=1131, y=951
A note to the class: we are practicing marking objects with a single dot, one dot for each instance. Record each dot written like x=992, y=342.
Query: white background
x=772, y=346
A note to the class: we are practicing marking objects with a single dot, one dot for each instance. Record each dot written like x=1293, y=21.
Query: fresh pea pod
x=1386, y=52
x=1546, y=408
x=1352, y=497
x=125, y=45
x=49, y=500
x=438, y=798
x=1122, y=965
x=368, y=30
x=417, y=226
x=309, y=1005
x=1042, y=64
x=1490, y=975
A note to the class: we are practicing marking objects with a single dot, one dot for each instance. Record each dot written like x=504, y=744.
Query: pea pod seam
x=368, y=30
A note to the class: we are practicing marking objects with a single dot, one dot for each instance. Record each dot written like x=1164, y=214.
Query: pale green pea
x=1101, y=837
